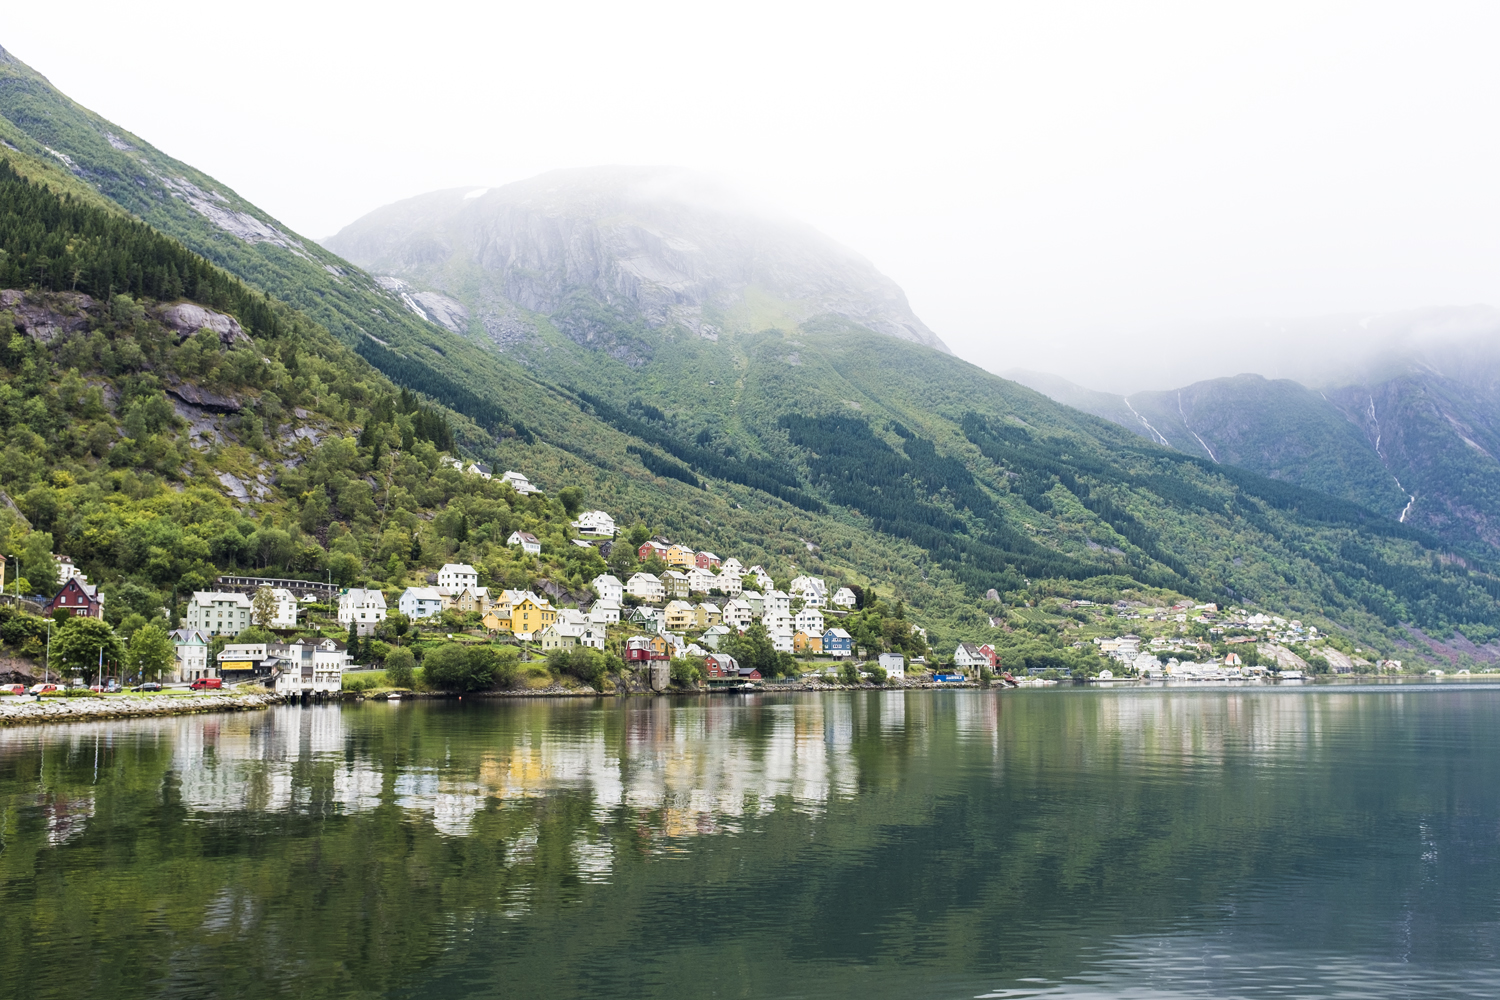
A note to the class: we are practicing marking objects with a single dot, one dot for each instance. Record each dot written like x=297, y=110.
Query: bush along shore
x=14, y=711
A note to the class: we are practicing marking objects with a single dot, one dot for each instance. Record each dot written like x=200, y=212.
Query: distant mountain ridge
x=1412, y=432
x=668, y=245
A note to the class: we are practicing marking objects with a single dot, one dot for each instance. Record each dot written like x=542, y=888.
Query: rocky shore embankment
x=17, y=711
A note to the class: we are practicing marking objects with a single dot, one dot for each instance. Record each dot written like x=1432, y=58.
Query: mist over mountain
x=669, y=246
x=1403, y=419
x=1315, y=351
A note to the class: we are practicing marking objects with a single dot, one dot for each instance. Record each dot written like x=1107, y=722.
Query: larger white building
x=645, y=587
x=364, y=609
x=595, y=522
x=218, y=613
x=608, y=588
x=457, y=576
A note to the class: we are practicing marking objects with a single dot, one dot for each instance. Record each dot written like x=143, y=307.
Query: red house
x=651, y=548
x=77, y=598
x=721, y=667
x=991, y=655
x=707, y=560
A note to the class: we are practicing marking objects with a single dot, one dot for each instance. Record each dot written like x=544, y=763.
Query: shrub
x=455, y=667
x=581, y=662
x=400, y=667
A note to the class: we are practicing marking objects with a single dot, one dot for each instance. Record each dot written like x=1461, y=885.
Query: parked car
x=207, y=684
x=17, y=689
x=43, y=688
x=149, y=686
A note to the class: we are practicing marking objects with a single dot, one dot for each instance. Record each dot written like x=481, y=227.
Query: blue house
x=837, y=642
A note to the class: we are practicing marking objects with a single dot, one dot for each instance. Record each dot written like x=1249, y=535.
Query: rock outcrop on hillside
x=665, y=243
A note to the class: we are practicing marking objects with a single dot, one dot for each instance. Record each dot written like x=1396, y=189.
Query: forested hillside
x=813, y=444
x=160, y=444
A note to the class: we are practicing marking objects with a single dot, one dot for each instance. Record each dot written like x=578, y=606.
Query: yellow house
x=680, y=616
x=680, y=555
x=531, y=614
x=496, y=622
x=804, y=643
x=659, y=647
x=706, y=616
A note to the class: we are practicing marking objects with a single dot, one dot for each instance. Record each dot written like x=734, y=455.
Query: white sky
x=1054, y=184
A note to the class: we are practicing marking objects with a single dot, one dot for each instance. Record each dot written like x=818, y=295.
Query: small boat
x=1290, y=675
x=393, y=696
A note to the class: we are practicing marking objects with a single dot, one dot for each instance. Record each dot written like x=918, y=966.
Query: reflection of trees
x=560, y=846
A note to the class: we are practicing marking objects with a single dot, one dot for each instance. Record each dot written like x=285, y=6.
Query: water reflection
x=1149, y=842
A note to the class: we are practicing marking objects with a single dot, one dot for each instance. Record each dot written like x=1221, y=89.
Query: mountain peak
x=676, y=245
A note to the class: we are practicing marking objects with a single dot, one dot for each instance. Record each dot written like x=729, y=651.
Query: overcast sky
x=1101, y=190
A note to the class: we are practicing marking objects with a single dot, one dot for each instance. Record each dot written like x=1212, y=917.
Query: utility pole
x=47, y=663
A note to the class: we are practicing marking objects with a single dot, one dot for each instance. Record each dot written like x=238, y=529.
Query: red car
x=43, y=688
x=207, y=684
x=13, y=689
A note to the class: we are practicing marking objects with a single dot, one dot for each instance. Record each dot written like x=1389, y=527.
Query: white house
x=457, y=576
x=286, y=608
x=519, y=483
x=595, y=522
x=782, y=640
x=604, y=613
x=700, y=581
x=762, y=578
x=809, y=620
x=894, y=664
x=812, y=590
x=527, y=541
x=728, y=581
x=969, y=657
x=571, y=616
x=363, y=609
x=420, y=603
x=714, y=635
x=844, y=598
x=777, y=603
x=192, y=655
x=777, y=622
x=732, y=565
x=645, y=587
x=65, y=569
x=737, y=614
x=608, y=588
x=218, y=613
x=592, y=636
x=310, y=666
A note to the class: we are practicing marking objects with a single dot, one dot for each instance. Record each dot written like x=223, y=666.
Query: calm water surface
x=1160, y=843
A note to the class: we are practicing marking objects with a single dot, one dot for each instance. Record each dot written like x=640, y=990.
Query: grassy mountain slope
x=815, y=444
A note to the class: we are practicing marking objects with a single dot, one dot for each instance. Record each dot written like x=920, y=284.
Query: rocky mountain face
x=661, y=246
x=1411, y=433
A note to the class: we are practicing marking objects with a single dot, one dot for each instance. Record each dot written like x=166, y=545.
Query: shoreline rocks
x=49, y=710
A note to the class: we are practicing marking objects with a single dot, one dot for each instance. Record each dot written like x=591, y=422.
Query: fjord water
x=1325, y=842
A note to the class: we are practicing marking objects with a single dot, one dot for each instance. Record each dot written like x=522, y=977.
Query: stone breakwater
x=50, y=710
